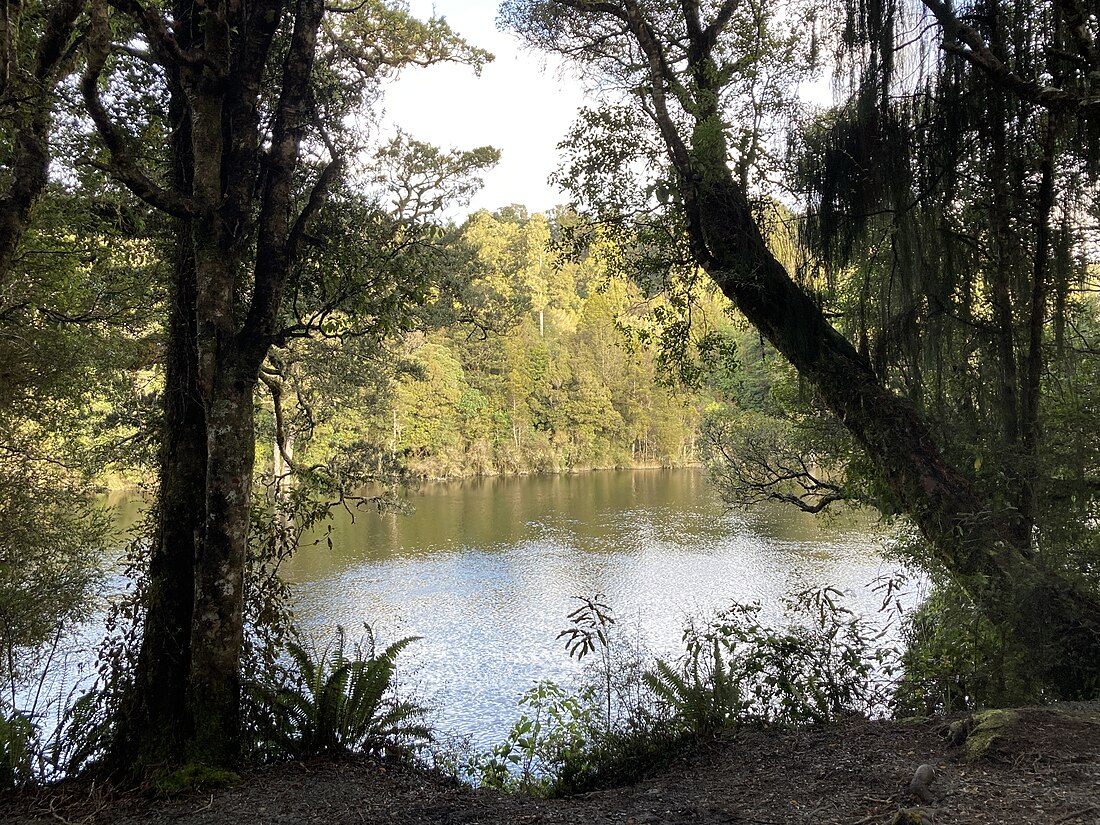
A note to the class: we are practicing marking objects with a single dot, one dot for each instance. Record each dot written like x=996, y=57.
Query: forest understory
x=1041, y=765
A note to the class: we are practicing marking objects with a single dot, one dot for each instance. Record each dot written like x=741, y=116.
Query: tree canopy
x=675, y=68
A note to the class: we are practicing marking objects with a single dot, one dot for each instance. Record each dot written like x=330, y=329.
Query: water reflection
x=485, y=572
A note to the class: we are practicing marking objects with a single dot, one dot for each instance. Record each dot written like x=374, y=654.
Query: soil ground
x=1043, y=767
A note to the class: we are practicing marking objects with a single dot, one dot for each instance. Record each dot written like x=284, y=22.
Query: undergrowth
x=335, y=699
x=633, y=713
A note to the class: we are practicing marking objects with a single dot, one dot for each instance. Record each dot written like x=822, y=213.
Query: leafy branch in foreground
x=336, y=700
x=551, y=733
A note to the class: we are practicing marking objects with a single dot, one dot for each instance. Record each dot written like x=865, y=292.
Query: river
x=487, y=570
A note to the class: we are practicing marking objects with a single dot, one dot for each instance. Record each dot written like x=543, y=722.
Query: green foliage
x=613, y=677
x=17, y=744
x=956, y=660
x=702, y=694
x=51, y=543
x=821, y=664
x=517, y=362
x=335, y=699
x=590, y=625
x=549, y=734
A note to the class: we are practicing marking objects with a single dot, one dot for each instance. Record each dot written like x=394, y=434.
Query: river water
x=486, y=572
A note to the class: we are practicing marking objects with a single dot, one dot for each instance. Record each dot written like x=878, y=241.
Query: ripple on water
x=489, y=603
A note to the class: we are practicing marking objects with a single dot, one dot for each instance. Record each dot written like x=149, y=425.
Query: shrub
x=333, y=701
x=824, y=663
x=956, y=660
x=550, y=733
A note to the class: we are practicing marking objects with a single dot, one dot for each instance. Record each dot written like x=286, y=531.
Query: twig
x=205, y=807
x=58, y=816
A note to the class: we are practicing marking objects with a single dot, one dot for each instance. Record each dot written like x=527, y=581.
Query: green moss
x=194, y=775
x=909, y=816
x=988, y=726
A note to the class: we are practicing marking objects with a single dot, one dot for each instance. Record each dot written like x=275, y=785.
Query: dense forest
x=550, y=366
x=217, y=278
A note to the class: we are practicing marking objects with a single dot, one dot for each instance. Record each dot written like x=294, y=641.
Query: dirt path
x=1042, y=766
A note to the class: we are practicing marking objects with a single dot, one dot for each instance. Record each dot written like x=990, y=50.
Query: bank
x=1040, y=765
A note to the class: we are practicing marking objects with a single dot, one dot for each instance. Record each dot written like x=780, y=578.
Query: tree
x=255, y=103
x=39, y=48
x=73, y=311
x=978, y=222
x=677, y=61
x=387, y=268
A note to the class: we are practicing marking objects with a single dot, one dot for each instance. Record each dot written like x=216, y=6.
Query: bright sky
x=522, y=104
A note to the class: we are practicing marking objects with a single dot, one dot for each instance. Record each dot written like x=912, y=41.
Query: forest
x=218, y=280
x=545, y=366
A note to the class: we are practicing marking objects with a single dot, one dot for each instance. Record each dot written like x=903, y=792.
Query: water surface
x=486, y=572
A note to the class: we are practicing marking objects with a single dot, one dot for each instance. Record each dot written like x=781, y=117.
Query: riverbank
x=1042, y=765
x=118, y=485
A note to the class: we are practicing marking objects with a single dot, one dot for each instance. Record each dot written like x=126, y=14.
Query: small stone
x=921, y=783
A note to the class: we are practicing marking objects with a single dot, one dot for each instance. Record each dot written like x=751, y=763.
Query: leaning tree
x=666, y=69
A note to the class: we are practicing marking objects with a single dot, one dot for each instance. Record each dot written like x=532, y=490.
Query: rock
x=958, y=730
x=986, y=728
x=921, y=783
x=910, y=816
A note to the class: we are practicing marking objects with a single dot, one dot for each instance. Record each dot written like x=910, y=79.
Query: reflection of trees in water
x=490, y=604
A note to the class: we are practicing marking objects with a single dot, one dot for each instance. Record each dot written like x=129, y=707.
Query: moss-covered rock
x=986, y=728
x=911, y=816
x=194, y=775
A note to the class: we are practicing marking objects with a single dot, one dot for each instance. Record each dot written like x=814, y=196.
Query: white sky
x=522, y=104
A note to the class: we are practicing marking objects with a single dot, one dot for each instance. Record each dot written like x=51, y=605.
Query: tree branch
x=273, y=252
x=161, y=40
x=968, y=43
x=124, y=164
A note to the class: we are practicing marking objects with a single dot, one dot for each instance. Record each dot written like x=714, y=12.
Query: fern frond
x=339, y=702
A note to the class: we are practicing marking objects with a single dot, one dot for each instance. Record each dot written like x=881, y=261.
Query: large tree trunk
x=217, y=628
x=240, y=104
x=150, y=729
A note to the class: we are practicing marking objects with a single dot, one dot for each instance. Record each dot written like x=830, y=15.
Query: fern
x=339, y=703
x=17, y=735
x=702, y=693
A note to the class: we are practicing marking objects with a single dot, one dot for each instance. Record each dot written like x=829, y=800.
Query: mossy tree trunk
x=150, y=729
x=981, y=548
x=233, y=194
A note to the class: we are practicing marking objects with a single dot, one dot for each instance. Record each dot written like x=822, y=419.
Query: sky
x=522, y=104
